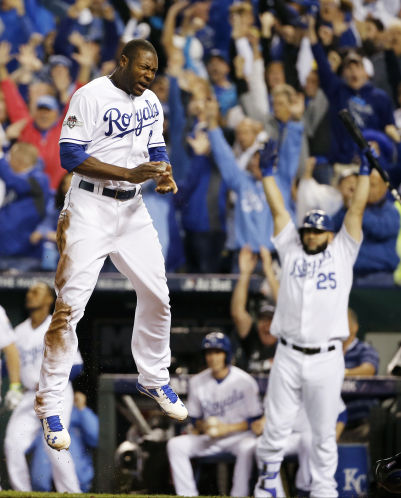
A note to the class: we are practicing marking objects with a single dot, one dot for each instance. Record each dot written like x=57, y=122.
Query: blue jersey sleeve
x=158, y=154
x=72, y=155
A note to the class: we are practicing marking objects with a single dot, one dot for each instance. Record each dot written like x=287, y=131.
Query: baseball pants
x=181, y=449
x=22, y=429
x=91, y=227
x=315, y=381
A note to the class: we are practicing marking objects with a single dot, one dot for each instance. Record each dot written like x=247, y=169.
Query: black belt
x=307, y=350
x=121, y=195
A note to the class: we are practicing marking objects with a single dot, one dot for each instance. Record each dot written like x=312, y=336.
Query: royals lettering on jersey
x=116, y=120
x=115, y=128
x=304, y=268
x=218, y=408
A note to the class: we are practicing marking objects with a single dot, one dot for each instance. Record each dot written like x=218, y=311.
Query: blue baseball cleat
x=168, y=400
x=56, y=435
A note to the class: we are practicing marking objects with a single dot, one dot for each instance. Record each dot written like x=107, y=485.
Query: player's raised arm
x=273, y=194
x=354, y=215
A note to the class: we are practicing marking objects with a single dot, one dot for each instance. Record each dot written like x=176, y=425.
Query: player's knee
x=176, y=445
x=247, y=445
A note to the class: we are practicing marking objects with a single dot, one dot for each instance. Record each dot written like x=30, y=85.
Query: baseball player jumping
x=223, y=401
x=112, y=129
x=310, y=322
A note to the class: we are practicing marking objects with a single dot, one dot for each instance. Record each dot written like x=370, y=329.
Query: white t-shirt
x=115, y=127
x=314, y=289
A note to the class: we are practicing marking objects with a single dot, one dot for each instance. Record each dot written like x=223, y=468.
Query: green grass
x=31, y=494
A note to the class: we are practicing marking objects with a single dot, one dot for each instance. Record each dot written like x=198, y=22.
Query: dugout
x=198, y=303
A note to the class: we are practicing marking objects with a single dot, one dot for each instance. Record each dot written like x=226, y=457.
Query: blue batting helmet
x=217, y=340
x=318, y=219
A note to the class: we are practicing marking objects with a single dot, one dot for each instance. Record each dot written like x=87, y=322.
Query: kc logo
x=354, y=482
x=145, y=116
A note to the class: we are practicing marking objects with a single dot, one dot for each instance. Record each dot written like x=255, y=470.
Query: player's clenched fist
x=146, y=171
x=165, y=182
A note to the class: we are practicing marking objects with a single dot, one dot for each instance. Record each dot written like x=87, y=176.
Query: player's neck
x=38, y=316
x=117, y=81
x=221, y=374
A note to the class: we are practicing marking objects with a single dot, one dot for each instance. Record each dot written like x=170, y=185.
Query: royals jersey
x=115, y=127
x=233, y=399
x=30, y=342
x=314, y=289
x=7, y=336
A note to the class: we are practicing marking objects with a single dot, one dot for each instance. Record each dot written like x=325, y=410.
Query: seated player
x=223, y=401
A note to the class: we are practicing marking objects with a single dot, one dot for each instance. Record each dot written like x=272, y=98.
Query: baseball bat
x=135, y=411
x=362, y=143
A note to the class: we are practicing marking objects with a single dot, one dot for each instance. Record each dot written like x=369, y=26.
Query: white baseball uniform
x=118, y=129
x=311, y=312
x=7, y=336
x=23, y=426
x=233, y=400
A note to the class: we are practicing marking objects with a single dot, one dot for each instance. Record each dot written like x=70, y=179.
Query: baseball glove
x=388, y=473
x=166, y=183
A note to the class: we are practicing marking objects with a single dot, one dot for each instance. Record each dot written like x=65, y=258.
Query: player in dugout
x=223, y=401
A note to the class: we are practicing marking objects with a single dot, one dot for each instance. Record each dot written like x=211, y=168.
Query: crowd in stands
x=231, y=75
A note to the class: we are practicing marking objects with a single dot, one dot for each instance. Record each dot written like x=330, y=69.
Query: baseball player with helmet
x=23, y=426
x=112, y=129
x=223, y=401
x=310, y=322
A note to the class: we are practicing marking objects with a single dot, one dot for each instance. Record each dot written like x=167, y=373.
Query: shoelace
x=54, y=423
x=171, y=395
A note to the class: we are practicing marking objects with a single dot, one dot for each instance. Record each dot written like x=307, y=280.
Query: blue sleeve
x=381, y=224
x=61, y=44
x=329, y=81
x=176, y=119
x=369, y=355
x=76, y=370
x=225, y=159
x=158, y=154
x=110, y=40
x=72, y=155
x=88, y=423
x=176, y=109
x=200, y=166
x=343, y=417
x=21, y=184
x=289, y=152
x=347, y=39
x=338, y=219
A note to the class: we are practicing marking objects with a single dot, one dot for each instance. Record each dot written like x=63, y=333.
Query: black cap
x=266, y=308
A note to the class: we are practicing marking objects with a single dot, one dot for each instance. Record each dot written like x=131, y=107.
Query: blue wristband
x=364, y=168
x=267, y=170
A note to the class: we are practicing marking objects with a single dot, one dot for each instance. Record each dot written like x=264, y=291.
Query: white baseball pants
x=181, y=449
x=90, y=228
x=22, y=429
x=314, y=380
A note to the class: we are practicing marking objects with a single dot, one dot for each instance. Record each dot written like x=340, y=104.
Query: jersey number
x=326, y=281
